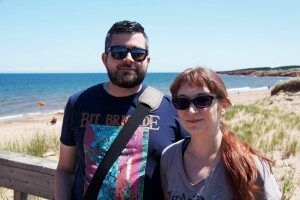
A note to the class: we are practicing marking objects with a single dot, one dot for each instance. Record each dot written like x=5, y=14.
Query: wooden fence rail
x=27, y=175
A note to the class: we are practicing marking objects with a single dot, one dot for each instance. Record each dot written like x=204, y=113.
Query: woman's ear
x=223, y=110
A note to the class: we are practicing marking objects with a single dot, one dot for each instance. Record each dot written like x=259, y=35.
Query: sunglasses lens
x=118, y=52
x=203, y=101
x=138, y=54
x=199, y=102
x=181, y=103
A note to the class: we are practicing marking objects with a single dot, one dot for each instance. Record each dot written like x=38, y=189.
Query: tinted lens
x=118, y=52
x=203, y=101
x=181, y=103
x=138, y=54
x=199, y=102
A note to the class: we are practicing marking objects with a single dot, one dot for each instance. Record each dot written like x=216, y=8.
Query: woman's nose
x=192, y=108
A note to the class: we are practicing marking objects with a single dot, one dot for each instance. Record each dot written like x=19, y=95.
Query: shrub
x=287, y=86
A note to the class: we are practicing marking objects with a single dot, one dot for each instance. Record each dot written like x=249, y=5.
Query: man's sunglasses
x=120, y=52
x=199, y=102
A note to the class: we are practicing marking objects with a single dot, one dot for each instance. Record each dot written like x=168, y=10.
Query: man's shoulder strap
x=152, y=97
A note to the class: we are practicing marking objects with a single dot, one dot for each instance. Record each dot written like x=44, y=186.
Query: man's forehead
x=130, y=39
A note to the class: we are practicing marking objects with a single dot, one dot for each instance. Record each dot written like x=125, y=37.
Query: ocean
x=20, y=93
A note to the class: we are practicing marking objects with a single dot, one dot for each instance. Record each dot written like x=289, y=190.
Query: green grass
x=253, y=123
x=292, y=85
x=291, y=149
x=288, y=187
x=38, y=145
x=268, y=130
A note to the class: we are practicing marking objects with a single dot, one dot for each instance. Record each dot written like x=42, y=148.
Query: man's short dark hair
x=124, y=27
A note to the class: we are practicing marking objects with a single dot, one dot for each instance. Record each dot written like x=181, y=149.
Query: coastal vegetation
x=287, y=86
x=287, y=71
x=40, y=145
x=272, y=132
x=272, y=126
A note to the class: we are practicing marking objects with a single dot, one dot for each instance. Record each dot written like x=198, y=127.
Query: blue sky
x=68, y=36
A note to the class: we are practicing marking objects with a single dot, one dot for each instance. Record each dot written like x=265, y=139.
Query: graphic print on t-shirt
x=125, y=179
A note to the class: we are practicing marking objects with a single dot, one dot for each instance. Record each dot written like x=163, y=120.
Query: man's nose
x=128, y=58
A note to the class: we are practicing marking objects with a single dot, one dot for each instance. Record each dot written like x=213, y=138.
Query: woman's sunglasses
x=120, y=52
x=199, y=102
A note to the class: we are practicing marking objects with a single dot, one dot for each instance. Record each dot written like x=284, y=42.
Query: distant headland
x=288, y=71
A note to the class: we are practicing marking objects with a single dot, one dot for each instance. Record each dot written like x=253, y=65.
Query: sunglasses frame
x=110, y=49
x=194, y=101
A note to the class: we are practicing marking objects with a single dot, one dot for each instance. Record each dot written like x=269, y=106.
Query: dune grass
x=288, y=187
x=292, y=85
x=268, y=130
x=37, y=145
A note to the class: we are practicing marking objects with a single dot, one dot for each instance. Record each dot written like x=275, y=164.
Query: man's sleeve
x=67, y=131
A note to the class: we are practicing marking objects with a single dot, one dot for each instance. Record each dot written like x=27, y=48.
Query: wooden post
x=20, y=195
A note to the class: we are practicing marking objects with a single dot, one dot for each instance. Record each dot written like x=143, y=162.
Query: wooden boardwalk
x=27, y=175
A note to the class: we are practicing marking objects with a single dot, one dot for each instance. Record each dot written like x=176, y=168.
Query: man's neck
x=117, y=91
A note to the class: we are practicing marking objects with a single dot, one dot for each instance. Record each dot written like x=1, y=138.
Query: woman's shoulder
x=266, y=179
x=175, y=148
x=263, y=166
x=172, y=148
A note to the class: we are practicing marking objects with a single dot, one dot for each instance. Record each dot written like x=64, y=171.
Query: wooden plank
x=24, y=174
x=27, y=162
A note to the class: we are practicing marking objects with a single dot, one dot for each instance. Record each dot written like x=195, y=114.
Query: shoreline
x=28, y=115
x=26, y=126
x=231, y=93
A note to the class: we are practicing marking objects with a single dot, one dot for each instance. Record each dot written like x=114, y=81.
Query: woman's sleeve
x=267, y=181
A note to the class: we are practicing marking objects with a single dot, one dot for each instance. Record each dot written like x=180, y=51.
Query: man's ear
x=104, y=58
x=148, y=59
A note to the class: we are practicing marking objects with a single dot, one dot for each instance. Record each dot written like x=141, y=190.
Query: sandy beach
x=23, y=128
x=26, y=127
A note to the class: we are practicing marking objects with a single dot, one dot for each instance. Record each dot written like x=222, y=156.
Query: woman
x=213, y=163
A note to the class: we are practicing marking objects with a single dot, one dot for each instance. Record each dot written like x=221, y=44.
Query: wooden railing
x=27, y=175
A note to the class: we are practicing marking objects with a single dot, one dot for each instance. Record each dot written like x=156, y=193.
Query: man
x=94, y=116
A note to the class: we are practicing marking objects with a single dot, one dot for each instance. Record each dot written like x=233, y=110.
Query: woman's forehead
x=187, y=88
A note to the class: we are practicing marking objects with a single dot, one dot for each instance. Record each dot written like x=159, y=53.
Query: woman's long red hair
x=237, y=155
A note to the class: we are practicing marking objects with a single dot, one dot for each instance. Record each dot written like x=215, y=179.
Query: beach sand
x=23, y=128
x=249, y=97
x=26, y=127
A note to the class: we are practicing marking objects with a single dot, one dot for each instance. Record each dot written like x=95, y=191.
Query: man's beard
x=126, y=79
